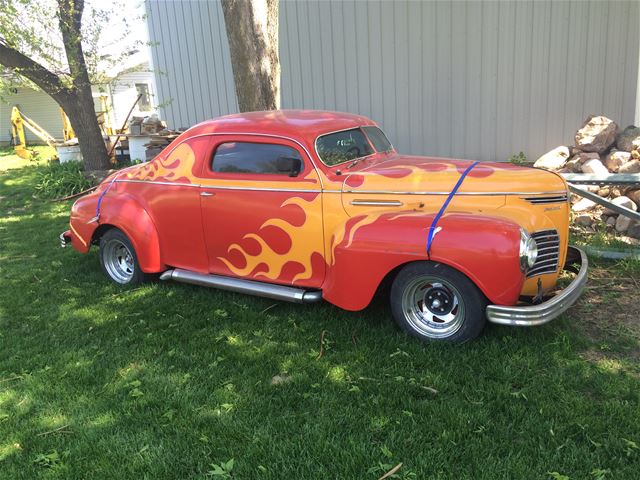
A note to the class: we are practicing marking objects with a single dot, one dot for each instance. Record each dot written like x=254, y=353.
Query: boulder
x=622, y=201
x=611, y=222
x=616, y=159
x=634, y=230
x=584, y=219
x=622, y=223
x=628, y=139
x=634, y=195
x=594, y=166
x=583, y=205
x=597, y=134
x=574, y=165
x=630, y=167
x=554, y=159
x=579, y=158
x=603, y=192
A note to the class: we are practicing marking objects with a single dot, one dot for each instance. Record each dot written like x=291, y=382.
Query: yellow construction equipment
x=103, y=116
x=18, y=121
x=67, y=129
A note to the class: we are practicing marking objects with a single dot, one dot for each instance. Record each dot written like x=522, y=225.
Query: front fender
x=368, y=247
x=125, y=213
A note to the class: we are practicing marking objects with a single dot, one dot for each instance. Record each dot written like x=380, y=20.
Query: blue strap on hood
x=434, y=223
x=97, y=217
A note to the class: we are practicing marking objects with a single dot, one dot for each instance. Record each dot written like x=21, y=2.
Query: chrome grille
x=548, y=242
x=538, y=200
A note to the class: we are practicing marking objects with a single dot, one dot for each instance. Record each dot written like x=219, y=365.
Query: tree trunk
x=82, y=116
x=80, y=110
x=252, y=30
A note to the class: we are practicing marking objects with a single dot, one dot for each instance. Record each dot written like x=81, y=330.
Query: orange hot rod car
x=310, y=205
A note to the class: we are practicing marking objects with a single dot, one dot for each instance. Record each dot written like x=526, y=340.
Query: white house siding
x=38, y=106
x=123, y=94
x=476, y=79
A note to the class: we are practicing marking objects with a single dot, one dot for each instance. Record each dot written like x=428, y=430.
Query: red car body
x=339, y=230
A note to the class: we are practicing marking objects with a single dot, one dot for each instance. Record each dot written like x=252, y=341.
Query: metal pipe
x=250, y=287
x=609, y=254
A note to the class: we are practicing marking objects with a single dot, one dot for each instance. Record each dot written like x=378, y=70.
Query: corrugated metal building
x=475, y=79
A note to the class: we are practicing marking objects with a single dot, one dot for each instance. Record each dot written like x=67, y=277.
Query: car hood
x=412, y=174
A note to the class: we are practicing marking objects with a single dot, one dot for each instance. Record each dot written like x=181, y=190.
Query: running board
x=250, y=287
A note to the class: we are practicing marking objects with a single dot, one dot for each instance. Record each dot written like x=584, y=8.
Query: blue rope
x=97, y=217
x=434, y=223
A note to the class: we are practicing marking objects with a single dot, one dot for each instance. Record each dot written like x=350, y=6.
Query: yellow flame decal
x=183, y=157
x=301, y=251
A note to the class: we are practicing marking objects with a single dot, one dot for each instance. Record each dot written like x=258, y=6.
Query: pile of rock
x=601, y=149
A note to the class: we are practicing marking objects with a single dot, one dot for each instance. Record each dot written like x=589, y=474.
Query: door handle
x=206, y=194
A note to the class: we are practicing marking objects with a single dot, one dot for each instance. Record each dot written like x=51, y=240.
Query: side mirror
x=289, y=165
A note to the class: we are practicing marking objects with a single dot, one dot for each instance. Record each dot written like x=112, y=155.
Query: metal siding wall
x=469, y=79
x=191, y=60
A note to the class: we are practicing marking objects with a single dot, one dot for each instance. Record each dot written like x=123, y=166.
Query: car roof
x=300, y=124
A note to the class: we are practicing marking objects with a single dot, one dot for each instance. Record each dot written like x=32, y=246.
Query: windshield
x=346, y=145
x=340, y=147
x=379, y=140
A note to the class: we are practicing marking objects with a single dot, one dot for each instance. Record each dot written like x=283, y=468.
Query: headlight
x=528, y=250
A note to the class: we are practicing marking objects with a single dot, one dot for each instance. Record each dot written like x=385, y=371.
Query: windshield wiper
x=358, y=160
x=354, y=163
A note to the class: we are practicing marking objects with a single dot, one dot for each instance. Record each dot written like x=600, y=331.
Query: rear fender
x=123, y=212
x=368, y=247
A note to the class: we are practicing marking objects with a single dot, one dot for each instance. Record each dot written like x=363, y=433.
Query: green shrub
x=518, y=159
x=61, y=179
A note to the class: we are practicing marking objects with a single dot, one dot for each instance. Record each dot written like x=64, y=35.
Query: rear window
x=379, y=140
x=245, y=157
x=339, y=147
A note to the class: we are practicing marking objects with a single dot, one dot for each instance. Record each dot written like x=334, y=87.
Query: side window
x=252, y=158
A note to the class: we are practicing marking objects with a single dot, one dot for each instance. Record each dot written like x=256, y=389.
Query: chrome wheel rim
x=118, y=261
x=433, y=307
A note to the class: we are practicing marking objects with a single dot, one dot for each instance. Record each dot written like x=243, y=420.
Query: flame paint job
x=304, y=231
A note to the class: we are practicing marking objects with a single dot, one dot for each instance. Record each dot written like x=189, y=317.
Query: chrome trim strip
x=222, y=187
x=251, y=287
x=376, y=203
x=532, y=315
x=260, y=189
x=298, y=190
x=155, y=182
x=395, y=192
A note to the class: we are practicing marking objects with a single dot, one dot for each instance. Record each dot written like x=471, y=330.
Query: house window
x=245, y=157
x=144, y=104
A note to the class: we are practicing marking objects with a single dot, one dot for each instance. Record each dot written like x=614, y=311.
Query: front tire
x=435, y=302
x=118, y=259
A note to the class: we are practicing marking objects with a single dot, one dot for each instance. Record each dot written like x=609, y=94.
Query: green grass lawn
x=168, y=380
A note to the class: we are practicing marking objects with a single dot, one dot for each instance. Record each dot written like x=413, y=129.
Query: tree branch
x=70, y=15
x=23, y=65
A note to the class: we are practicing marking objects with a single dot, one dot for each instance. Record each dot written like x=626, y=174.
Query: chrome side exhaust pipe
x=250, y=287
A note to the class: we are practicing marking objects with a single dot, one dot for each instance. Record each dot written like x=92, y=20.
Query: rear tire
x=118, y=259
x=435, y=302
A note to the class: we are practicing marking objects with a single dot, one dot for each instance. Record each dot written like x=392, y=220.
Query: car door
x=262, y=211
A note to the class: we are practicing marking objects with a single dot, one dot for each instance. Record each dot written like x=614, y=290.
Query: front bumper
x=65, y=238
x=532, y=315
